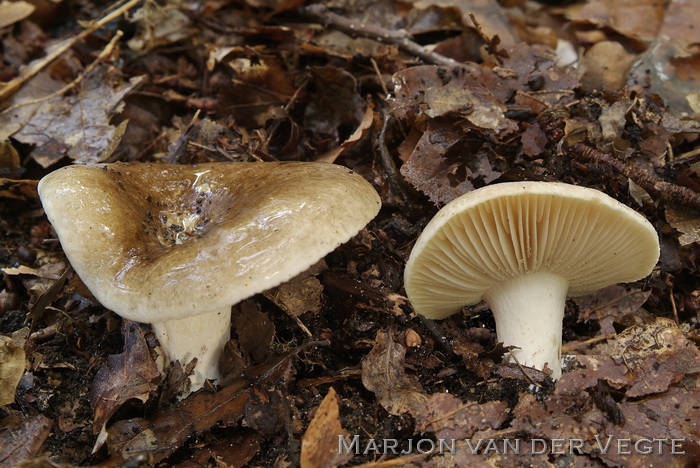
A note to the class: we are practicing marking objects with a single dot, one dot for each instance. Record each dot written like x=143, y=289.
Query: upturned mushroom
x=177, y=246
x=522, y=247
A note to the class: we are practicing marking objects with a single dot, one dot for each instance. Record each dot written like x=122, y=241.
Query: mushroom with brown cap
x=522, y=247
x=177, y=246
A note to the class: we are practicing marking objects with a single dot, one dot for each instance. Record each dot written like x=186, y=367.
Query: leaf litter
x=428, y=101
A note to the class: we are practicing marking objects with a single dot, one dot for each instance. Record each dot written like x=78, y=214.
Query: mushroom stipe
x=177, y=246
x=522, y=247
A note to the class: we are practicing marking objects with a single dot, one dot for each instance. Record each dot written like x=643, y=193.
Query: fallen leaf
x=611, y=303
x=158, y=24
x=653, y=423
x=686, y=222
x=463, y=92
x=448, y=161
x=12, y=12
x=360, y=131
x=383, y=373
x=635, y=18
x=18, y=189
x=680, y=21
x=12, y=364
x=254, y=329
x=235, y=452
x=605, y=67
x=319, y=444
x=300, y=294
x=76, y=125
x=21, y=438
x=657, y=356
x=159, y=438
x=670, y=69
x=450, y=418
x=130, y=375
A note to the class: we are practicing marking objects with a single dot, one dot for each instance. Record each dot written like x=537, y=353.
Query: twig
x=320, y=14
x=105, y=52
x=568, y=347
x=666, y=191
x=522, y=369
x=13, y=85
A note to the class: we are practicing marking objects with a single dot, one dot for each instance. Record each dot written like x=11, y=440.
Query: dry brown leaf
x=234, y=452
x=319, y=445
x=21, y=438
x=360, y=131
x=300, y=294
x=652, y=423
x=450, y=418
x=158, y=24
x=671, y=69
x=12, y=12
x=686, y=222
x=605, y=67
x=159, y=438
x=609, y=304
x=18, y=189
x=634, y=18
x=383, y=373
x=254, y=329
x=12, y=364
x=130, y=375
x=76, y=126
x=657, y=356
x=472, y=93
x=488, y=13
x=681, y=21
x=446, y=163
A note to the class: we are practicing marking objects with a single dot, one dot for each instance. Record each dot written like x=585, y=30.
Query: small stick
x=522, y=369
x=12, y=86
x=577, y=344
x=666, y=191
x=320, y=14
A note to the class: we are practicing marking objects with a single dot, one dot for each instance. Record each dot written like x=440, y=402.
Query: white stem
x=201, y=336
x=529, y=311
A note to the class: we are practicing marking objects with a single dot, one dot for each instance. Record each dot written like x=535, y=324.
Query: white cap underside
x=498, y=232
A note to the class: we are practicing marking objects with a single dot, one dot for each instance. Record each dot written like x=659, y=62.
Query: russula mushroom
x=522, y=247
x=177, y=246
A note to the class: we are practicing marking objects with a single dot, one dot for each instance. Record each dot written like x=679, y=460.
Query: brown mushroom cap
x=503, y=231
x=157, y=242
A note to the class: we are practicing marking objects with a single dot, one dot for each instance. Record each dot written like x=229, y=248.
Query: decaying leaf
x=76, y=126
x=657, y=356
x=12, y=12
x=686, y=222
x=254, y=329
x=432, y=92
x=319, y=445
x=159, y=24
x=12, y=364
x=163, y=435
x=383, y=373
x=447, y=162
x=21, y=438
x=235, y=452
x=635, y=18
x=609, y=304
x=450, y=418
x=18, y=189
x=300, y=294
x=130, y=375
x=670, y=69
